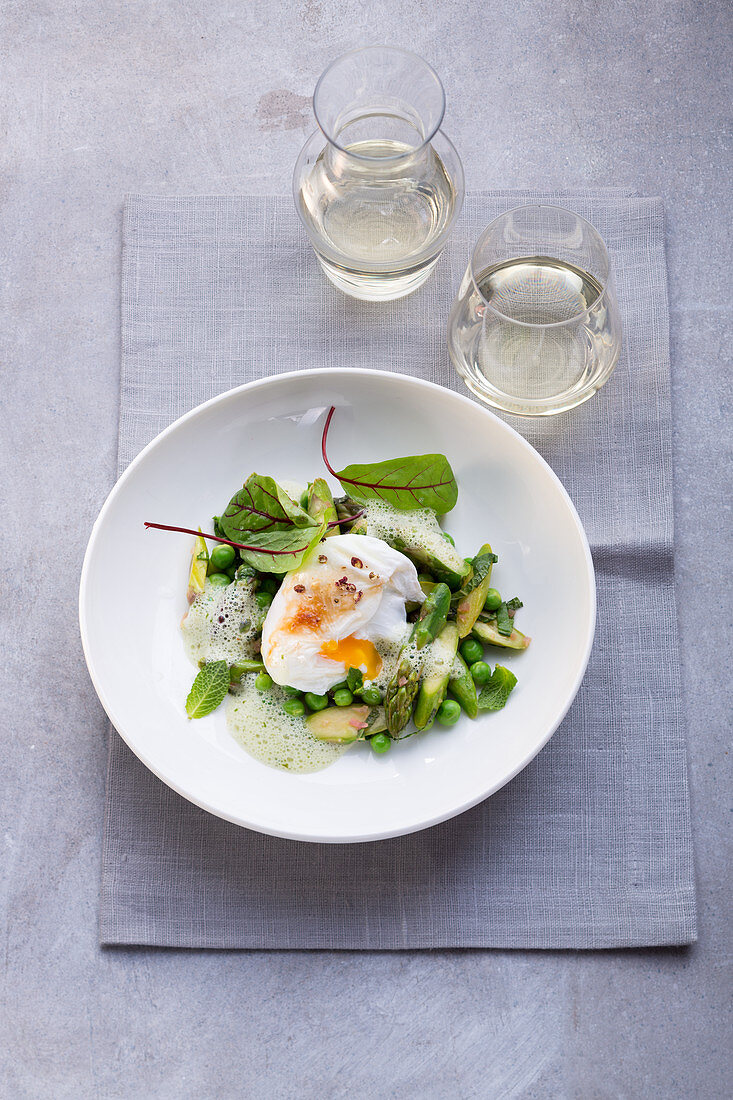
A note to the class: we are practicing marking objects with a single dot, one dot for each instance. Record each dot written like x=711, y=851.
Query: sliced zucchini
x=340, y=725
x=489, y=635
x=199, y=565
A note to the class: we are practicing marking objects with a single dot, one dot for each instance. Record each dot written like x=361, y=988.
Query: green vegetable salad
x=333, y=620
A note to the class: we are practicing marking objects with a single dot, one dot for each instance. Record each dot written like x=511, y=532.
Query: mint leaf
x=354, y=678
x=208, y=689
x=504, y=623
x=418, y=481
x=497, y=689
x=481, y=570
x=261, y=505
x=514, y=604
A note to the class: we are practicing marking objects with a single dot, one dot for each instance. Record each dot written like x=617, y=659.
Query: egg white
x=351, y=585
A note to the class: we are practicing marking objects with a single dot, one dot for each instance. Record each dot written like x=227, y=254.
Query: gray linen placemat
x=590, y=845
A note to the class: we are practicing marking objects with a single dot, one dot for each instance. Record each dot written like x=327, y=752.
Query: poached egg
x=330, y=615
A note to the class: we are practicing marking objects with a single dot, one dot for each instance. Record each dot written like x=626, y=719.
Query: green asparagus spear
x=321, y=505
x=433, y=615
x=489, y=635
x=463, y=687
x=402, y=690
x=442, y=654
x=400, y=697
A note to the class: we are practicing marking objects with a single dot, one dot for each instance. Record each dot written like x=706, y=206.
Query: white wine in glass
x=535, y=328
x=378, y=187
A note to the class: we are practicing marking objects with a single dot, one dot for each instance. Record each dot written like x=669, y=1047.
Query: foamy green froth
x=411, y=531
x=208, y=639
x=260, y=725
x=433, y=662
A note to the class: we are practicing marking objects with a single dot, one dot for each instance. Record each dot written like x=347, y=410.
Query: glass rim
x=540, y=324
x=388, y=49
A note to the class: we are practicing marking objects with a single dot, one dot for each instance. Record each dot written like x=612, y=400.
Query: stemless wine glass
x=535, y=328
x=378, y=186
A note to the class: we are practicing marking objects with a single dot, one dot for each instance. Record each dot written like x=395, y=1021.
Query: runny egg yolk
x=354, y=653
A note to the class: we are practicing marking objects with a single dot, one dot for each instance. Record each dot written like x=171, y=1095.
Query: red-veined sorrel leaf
x=269, y=551
x=282, y=551
x=262, y=505
x=418, y=481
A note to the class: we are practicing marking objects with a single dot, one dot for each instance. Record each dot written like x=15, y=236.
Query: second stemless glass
x=378, y=186
x=535, y=328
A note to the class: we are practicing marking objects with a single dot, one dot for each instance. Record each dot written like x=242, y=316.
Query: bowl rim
x=331, y=372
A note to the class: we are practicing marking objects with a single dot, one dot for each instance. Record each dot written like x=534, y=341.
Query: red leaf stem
x=326, y=426
x=375, y=485
x=217, y=538
x=241, y=545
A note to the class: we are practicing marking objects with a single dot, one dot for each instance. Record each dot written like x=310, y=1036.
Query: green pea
x=315, y=702
x=381, y=742
x=342, y=686
x=294, y=707
x=292, y=693
x=232, y=572
x=471, y=650
x=221, y=558
x=493, y=599
x=264, y=599
x=343, y=698
x=269, y=584
x=220, y=580
x=449, y=712
x=371, y=696
x=263, y=682
x=449, y=538
x=481, y=672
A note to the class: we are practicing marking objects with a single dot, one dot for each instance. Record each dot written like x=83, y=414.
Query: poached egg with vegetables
x=332, y=613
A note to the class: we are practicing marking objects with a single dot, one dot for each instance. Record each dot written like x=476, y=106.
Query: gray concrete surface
x=178, y=96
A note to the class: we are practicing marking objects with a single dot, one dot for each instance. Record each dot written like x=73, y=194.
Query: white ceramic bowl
x=133, y=589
